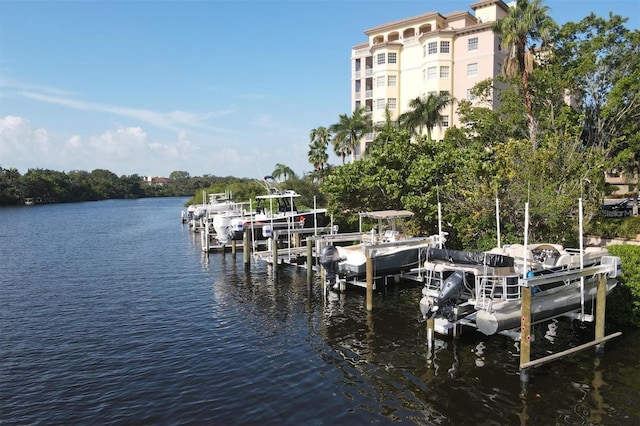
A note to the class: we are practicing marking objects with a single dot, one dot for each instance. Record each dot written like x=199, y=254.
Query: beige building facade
x=428, y=53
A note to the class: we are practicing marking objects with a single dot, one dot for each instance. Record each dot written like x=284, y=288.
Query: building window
x=380, y=58
x=380, y=81
x=358, y=105
x=472, y=69
x=444, y=72
x=445, y=121
x=380, y=103
x=499, y=44
x=473, y=43
x=392, y=57
x=499, y=68
x=392, y=81
x=470, y=96
x=392, y=103
x=433, y=48
x=444, y=92
x=444, y=47
x=432, y=72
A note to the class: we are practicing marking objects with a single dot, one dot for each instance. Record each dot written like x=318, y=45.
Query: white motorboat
x=276, y=210
x=389, y=245
x=197, y=214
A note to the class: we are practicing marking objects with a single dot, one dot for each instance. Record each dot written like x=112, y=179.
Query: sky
x=210, y=87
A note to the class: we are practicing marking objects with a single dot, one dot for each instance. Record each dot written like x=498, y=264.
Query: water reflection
x=551, y=332
x=479, y=352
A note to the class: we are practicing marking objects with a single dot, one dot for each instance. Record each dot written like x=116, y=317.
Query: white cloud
x=131, y=150
x=19, y=140
x=126, y=150
x=173, y=120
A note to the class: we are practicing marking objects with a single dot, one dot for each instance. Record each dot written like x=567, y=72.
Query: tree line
x=99, y=184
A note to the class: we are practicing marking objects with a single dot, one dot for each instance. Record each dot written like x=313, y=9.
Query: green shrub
x=623, y=304
x=616, y=228
x=630, y=228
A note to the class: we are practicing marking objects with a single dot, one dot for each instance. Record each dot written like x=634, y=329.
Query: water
x=111, y=314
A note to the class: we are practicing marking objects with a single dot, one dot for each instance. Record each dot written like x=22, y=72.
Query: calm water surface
x=111, y=314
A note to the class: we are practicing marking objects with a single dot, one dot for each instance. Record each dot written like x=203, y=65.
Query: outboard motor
x=451, y=290
x=329, y=258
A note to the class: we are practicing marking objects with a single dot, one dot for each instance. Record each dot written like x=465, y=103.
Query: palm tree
x=387, y=129
x=527, y=22
x=425, y=113
x=348, y=131
x=318, y=157
x=282, y=170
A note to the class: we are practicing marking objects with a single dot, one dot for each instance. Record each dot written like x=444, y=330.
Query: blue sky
x=208, y=87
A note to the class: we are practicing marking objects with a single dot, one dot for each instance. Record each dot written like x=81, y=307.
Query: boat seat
x=564, y=260
x=390, y=235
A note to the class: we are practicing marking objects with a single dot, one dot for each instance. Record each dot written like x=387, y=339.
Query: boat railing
x=495, y=288
x=433, y=282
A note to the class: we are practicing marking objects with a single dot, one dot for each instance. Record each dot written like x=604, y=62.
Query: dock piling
x=525, y=333
x=310, y=241
x=369, y=273
x=601, y=301
x=245, y=248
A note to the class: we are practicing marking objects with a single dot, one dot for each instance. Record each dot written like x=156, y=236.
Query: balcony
x=368, y=94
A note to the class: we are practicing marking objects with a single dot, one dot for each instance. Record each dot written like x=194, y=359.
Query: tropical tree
x=387, y=130
x=348, y=131
x=525, y=24
x=10, y=186
x=601, y=60
x=282, y=170
x=425, y=113
x=318, y=157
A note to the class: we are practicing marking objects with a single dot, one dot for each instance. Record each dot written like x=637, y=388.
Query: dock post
x=310, y=241
x=369, y=280
x=233, y=246
x=323, y=277
x=525, y=333
x=601, y=301
x=204, y=238
x=274, y=247
x=274, y=253
x=430, y=332
x=245, y=248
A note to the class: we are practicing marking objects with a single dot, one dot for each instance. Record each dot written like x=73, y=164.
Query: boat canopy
x=285, y=194
x=388, y=214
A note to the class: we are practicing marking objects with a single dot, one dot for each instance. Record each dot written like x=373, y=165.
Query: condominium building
x=428, y=53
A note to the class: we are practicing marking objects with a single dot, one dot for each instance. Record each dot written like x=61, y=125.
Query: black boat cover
x=468, y=257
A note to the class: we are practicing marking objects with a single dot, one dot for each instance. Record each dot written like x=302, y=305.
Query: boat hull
x=299, y=220
x=546, y=305
x=387, y=262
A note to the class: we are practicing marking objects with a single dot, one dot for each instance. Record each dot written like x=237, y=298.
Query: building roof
x=484, y=3
x=402, y=22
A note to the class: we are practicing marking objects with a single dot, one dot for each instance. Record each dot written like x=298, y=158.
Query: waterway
x=111, y=314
